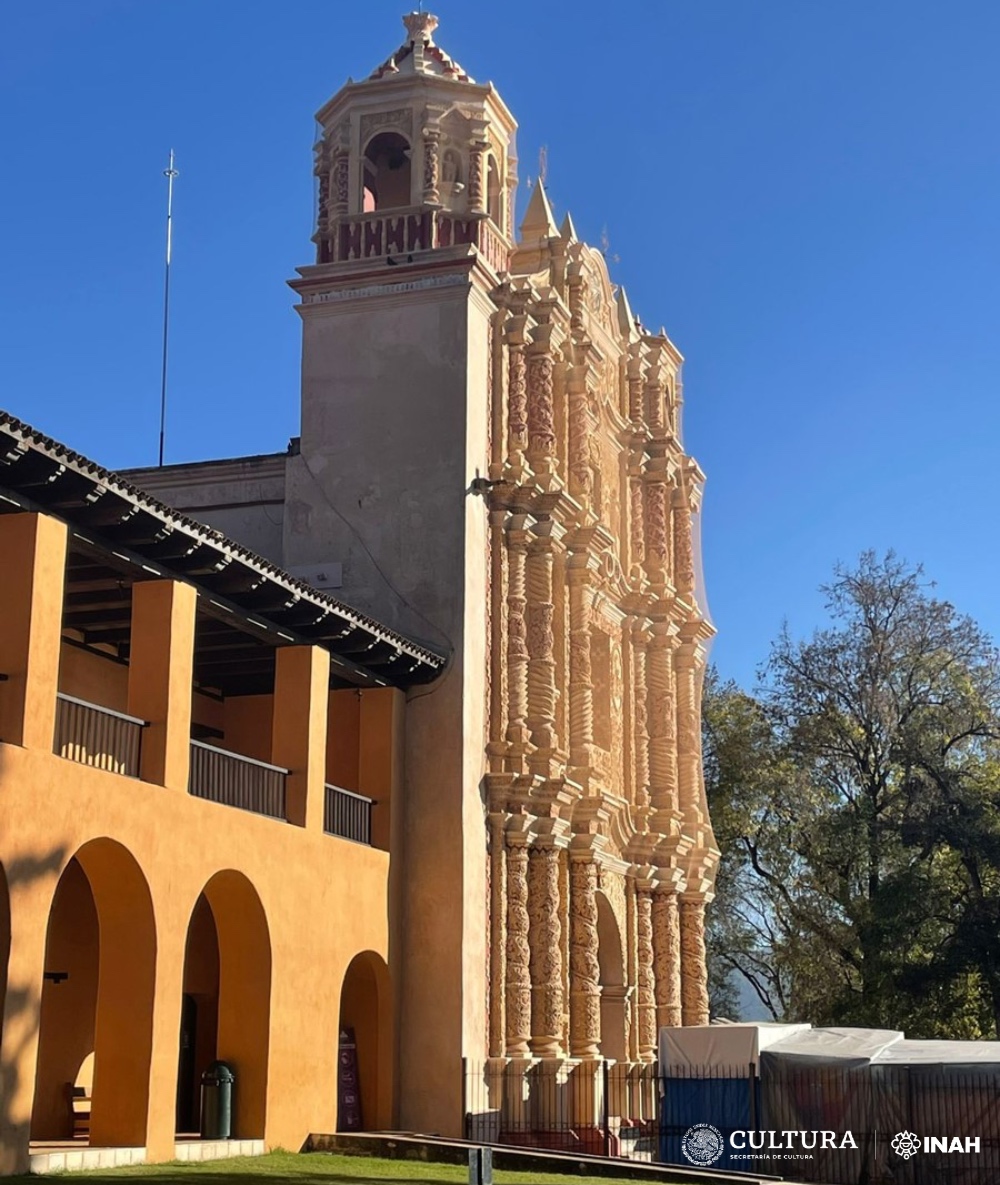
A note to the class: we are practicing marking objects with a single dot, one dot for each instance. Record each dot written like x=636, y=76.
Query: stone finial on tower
x=421, y=26
x=538, y=221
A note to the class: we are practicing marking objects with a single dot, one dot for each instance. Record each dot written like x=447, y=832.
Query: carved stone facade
x=603, y=636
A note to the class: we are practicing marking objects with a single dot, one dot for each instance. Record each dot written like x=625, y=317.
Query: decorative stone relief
x=683, y=547
x=399, y=120
x=518, y=951
x=667, y=958
x=646, y=996
x=541, y=406
x=694, y=976
x=585, y=970
x=547, y=1003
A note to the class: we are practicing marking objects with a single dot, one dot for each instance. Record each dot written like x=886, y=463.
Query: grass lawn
x=316, y=1168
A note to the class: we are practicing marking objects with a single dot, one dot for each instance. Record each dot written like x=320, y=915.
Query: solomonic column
x=541, y=401
x=584, y=967
x=517, y=392
x=694, y=970
x=517, y=975
x=545, y=937
x=667, y=957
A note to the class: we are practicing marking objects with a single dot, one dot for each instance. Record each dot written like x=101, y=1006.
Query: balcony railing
x=378, y=233
x=234, y=780
x=97, y=736
x=348, y=815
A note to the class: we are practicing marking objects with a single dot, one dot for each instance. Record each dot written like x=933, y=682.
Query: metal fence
x=631, y=1111
x=596, y=1107
x=97, y=736
x=347, y=814
x=234, y=780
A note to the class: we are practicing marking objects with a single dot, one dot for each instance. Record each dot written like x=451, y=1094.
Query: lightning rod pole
x=170, y=173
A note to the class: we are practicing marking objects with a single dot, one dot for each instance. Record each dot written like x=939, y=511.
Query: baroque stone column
x=541, y=644
x=477, y=152
x=517, y=643
x=541, y=401
x=644, y=966
x=640, y=715
x=689, y=769
x=581, y=691
x=585, y=969
x=663, y=777
x=683, y=546
x=517, y=392
x=517, y=994
x=498, y=933
x=667, y=957
x=545, y=936
x=694, y=972
x=432, y=148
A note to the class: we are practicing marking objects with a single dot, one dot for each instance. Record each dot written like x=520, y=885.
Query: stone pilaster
x=694, y=972
x=667, y=957
x=637, y=527
x=545, y=938
x=498, y=934
x=517, y=995
x=654, y=395
x=585, y=969
x=646, y=1007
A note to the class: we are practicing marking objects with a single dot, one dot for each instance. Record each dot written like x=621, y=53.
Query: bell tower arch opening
x=387, y=172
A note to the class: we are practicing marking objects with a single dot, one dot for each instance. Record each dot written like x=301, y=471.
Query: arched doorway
x=96, y=1020
x=365, y=1075
x=611, y=960
x=226, y=1002
x=386, y=172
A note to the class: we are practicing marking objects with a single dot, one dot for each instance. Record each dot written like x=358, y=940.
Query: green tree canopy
x=856, y=800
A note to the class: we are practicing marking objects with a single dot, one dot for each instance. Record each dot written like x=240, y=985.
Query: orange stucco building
x=199, y=759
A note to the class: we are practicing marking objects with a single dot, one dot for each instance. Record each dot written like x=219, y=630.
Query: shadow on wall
x=20, y=1003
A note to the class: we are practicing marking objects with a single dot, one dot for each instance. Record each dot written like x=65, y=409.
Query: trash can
x=217, y=1102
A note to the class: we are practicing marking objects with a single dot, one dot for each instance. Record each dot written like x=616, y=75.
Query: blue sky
x=804, y=194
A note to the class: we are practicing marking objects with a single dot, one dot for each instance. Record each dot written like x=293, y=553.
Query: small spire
x=626, y=321
x=420, y=26
x=568, y=231
x=538, y=220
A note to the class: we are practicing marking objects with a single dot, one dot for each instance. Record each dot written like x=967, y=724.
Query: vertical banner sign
x=348, y=1089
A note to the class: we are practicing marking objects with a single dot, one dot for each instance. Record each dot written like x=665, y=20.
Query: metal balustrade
x=98, y=737
x=234, y=780
x=348, y=815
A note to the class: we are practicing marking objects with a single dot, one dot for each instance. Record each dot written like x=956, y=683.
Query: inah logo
x=906, y=1144
x=703, y=1144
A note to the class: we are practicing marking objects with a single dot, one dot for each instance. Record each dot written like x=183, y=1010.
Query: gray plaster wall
x=242, y=497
